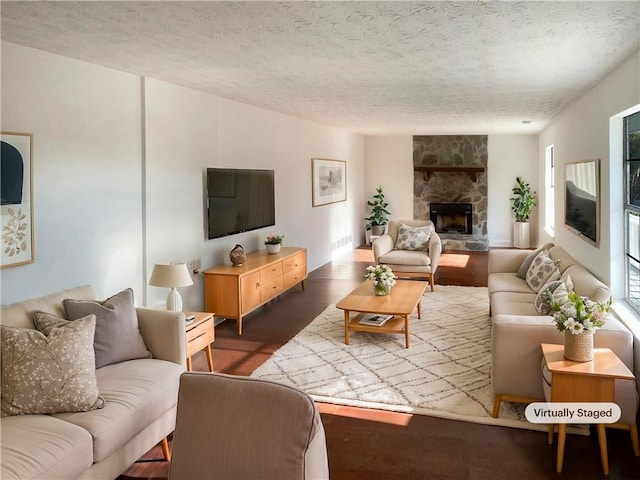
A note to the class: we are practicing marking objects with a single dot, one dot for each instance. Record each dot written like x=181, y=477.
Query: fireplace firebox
x=452, y=217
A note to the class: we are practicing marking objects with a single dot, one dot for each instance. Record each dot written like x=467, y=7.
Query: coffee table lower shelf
x=397, y=324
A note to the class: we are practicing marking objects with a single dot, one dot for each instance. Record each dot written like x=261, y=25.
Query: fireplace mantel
x=472, y=172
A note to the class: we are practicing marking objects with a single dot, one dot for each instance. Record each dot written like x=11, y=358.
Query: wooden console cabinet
x=233, y=292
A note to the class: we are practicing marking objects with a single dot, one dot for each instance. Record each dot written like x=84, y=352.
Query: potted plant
x=523, y=200
x=377, y=220
x=273, y=243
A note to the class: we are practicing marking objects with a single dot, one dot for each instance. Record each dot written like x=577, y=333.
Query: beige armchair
x=245, y=428
x=421, y=263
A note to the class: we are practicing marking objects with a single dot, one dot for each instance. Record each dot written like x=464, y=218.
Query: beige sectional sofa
x=518, y=330
x=139, y=409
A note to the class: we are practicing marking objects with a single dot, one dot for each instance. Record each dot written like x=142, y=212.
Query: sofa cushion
x=136, y=393
x=413, y=238
x=513, y=303
x=507, y=282
x=58, y=363
x=43, y=447
x=543, y=269
x=117, y=337
x=557, y=291
x=524, y=266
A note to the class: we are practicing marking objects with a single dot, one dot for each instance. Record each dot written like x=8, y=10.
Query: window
x=632, y=207
x=549, y=190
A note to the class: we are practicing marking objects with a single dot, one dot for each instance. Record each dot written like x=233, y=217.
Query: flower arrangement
x=274, y=240
x=381, y=275
x=579, y=314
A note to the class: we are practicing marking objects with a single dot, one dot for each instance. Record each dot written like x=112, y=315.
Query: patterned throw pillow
x=543, y=269
x=117, y=336
x=413, y=238
x=561, y=288
x=51, y=371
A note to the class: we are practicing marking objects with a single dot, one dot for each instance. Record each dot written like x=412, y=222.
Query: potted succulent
x=377, y=220
x=523, y=200
x=273, y=243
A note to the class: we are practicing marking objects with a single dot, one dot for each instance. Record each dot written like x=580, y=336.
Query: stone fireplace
x=452, y=217
x=451, y=171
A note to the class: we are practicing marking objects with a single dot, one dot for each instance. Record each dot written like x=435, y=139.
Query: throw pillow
x=543, y=269
x=51, y=371
x=413, y=238
x=117, y=336
x=562, y=286
x=524, y=266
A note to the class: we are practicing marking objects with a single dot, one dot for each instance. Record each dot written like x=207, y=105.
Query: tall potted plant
x=377, y=220
x=523, y=199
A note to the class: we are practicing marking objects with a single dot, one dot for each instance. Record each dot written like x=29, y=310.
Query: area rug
x=446, y=372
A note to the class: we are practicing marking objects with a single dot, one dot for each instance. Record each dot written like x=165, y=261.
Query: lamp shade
x=170, y=275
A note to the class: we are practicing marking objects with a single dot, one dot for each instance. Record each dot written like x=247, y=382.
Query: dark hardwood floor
x=370, y=444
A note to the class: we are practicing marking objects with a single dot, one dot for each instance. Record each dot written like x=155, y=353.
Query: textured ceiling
x=370, y=67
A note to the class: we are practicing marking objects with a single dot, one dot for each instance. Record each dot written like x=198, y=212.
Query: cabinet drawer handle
x=257, y=284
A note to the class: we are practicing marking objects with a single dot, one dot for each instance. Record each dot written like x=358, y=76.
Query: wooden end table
x=200, y=334
x=592, y=381
x=403, y=299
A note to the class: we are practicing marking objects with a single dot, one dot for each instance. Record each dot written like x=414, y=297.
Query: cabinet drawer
x=199, y=337
x=271, y=289
x=294, y=262
x=295, y=276
x=271, y=272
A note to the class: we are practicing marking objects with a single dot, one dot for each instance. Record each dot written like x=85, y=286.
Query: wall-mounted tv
x=582, y=199
x=239, y=200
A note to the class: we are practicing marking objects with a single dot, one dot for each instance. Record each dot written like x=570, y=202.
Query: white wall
x=581, y=132
x=118, y=176
x=389, y=162
x=510, y=156
x=85, y=122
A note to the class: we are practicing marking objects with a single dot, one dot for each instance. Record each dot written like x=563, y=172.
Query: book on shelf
x=375, y=319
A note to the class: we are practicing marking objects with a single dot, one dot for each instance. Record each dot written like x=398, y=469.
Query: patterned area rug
x=446, y=372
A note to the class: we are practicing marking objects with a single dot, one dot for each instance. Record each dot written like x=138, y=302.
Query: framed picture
x=16, y=204
x=582, y=199
x=329, y=181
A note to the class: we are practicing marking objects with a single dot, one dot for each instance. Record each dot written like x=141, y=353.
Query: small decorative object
x=378, y=219
x=383, y=279
x=273, y=243
x=579, y=318
x=237, y=256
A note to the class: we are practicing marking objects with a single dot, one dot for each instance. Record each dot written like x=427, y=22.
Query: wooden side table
x=200, y=335
x=592, y=381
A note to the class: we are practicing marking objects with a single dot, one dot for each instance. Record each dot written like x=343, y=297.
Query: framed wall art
x=16, y=204
x=329, y=181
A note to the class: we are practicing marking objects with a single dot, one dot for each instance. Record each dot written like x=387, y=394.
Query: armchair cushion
x=413, y=238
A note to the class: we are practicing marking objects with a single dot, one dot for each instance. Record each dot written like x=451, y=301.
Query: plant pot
x=377, y=230
x=273, y=247
x=521, y=235
x=578, y=348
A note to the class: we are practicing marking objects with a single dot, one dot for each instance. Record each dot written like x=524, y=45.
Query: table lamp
x=171, y=275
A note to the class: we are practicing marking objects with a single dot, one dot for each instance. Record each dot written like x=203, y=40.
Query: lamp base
x=174, y=301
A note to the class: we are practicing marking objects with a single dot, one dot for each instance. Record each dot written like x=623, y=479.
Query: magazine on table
x=375, y=319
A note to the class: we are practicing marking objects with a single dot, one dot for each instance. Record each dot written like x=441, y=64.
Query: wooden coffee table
x=403, y=299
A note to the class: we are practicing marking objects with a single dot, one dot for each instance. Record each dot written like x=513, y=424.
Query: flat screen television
x=582, y=190
x=239, y=200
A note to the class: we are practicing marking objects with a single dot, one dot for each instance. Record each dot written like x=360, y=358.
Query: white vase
x=272, y=247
